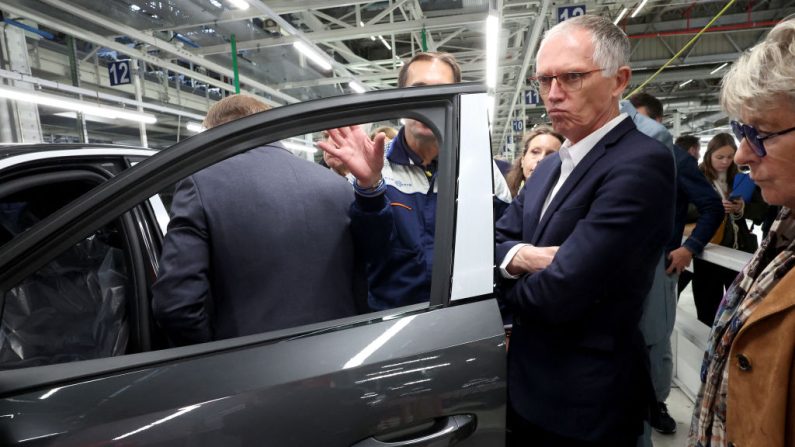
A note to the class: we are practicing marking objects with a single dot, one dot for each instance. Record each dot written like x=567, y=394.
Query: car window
x=263, y=241
x=74, y=308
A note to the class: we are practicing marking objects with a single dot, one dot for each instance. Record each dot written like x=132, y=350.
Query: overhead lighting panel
x=356, y=87
x=312, y=55
x=620, y=16
x=77, y=106
x=492, y=37
x=637, y=10
x=719, y=68
x=239, y=4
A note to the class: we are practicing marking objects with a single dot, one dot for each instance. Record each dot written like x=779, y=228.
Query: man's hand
x=531, y=259
x=363, y=157
x=680, y=259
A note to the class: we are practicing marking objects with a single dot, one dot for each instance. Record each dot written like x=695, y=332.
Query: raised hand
x=363, y=157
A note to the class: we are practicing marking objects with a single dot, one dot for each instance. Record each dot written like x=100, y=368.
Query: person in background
x=332, y=162
x=577, y=251
x=691, y=144
x=389, y=132
x=394, y=212
x=659, y=311
x=710, y=280
x=747, y=395
x=647, y=105
x=234, y=257
x=536, y=144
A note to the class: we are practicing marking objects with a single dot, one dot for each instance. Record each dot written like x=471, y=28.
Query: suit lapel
x=579, y=172
x=537, y=190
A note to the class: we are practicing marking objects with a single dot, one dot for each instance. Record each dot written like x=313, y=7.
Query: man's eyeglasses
x=570, y=82
x=752, y=136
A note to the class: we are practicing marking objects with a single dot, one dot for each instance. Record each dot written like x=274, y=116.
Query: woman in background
x=710, y=280
x=536, y=145
x=747, y=396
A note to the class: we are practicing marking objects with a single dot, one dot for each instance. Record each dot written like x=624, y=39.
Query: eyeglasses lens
x=750, y=134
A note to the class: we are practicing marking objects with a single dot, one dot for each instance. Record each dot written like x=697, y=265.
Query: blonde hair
x=232, y=108
x=763, y=75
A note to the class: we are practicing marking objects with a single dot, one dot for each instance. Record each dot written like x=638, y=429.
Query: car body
x=429, y=374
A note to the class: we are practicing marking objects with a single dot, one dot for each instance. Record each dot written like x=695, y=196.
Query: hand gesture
x=531, y=259
x=363, y=157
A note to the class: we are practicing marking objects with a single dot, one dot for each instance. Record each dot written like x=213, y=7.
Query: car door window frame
x=437, y=106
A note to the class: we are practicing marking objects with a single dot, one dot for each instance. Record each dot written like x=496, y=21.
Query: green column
x=234, y=65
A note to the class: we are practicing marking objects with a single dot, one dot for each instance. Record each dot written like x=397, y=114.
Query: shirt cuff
x=507, y=260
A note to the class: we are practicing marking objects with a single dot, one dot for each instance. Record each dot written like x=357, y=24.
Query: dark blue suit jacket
x=258, y=242
x=576, y=359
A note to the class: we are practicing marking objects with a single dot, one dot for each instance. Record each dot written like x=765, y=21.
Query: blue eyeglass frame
x=752, y=135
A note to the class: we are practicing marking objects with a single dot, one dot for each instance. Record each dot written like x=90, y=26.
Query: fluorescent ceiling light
x=135, y=7
x=216, y=3
x=719, y=68
x=73, y=115
x=492, y=36
x=620, y=16
x=239, y=4
x=383, y=41
x=637, y=10
x=195, y=127
x=685, y=83
x=299, y=147
x=77, y=106
x=312, y=55
x=362, y=25
x=356, y=87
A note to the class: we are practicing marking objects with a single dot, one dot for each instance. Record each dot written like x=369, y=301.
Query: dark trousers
x=522, y=433
x=709, y=284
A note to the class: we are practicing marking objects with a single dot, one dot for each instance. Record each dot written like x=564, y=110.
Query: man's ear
x=623, y=76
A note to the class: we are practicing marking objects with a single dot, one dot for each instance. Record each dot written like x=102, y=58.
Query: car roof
x=8, y=150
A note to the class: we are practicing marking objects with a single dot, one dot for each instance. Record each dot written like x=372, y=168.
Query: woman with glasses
x=536, y=144
x=747, y=396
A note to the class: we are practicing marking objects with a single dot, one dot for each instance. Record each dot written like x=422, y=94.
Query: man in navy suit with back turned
x=257, y=242
x=578, y=248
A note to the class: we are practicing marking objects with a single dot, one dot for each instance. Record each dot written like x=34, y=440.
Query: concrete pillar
x=19, y=120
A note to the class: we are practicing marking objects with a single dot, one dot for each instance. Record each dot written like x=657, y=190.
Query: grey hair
x=611, y=45
x=763, y=75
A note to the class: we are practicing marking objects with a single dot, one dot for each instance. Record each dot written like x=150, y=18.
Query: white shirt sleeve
x=501, y=190
x=507, y=260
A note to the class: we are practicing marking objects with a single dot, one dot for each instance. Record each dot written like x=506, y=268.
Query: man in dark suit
x=578, y=248
x=257, y=242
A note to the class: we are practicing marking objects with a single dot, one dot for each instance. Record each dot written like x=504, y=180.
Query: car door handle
x=452, y=430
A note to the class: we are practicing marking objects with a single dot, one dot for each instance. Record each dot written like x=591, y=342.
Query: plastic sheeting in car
x=74, y=308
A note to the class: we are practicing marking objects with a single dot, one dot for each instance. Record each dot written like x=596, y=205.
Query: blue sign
x=531, y=97
x=567, y=12
x=119, y=73
x=517, y=125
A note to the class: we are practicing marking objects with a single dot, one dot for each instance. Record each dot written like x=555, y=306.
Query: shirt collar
x=576, y=152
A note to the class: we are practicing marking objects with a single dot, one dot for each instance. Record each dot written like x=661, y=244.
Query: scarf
x=769, y=264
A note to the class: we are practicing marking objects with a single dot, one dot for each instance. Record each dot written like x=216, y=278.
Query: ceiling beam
x=353, y=33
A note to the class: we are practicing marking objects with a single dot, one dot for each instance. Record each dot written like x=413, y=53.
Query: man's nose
x=555, y=92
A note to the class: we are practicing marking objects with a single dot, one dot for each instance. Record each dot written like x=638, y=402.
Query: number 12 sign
x=568, y=12
x=119, y=72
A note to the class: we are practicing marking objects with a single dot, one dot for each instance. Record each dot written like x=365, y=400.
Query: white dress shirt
x=570, y=156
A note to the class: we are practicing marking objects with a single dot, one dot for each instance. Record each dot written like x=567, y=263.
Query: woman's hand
x=734, y=206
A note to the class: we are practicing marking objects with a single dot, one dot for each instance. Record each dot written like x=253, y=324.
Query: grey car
x=82, y=362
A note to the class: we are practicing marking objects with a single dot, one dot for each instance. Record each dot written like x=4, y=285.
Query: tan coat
x=761, y=402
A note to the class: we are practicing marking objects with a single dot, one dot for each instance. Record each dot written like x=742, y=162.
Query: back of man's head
x=447, y=58
x=648, y=105
x=231, y=108
x=688, y=142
